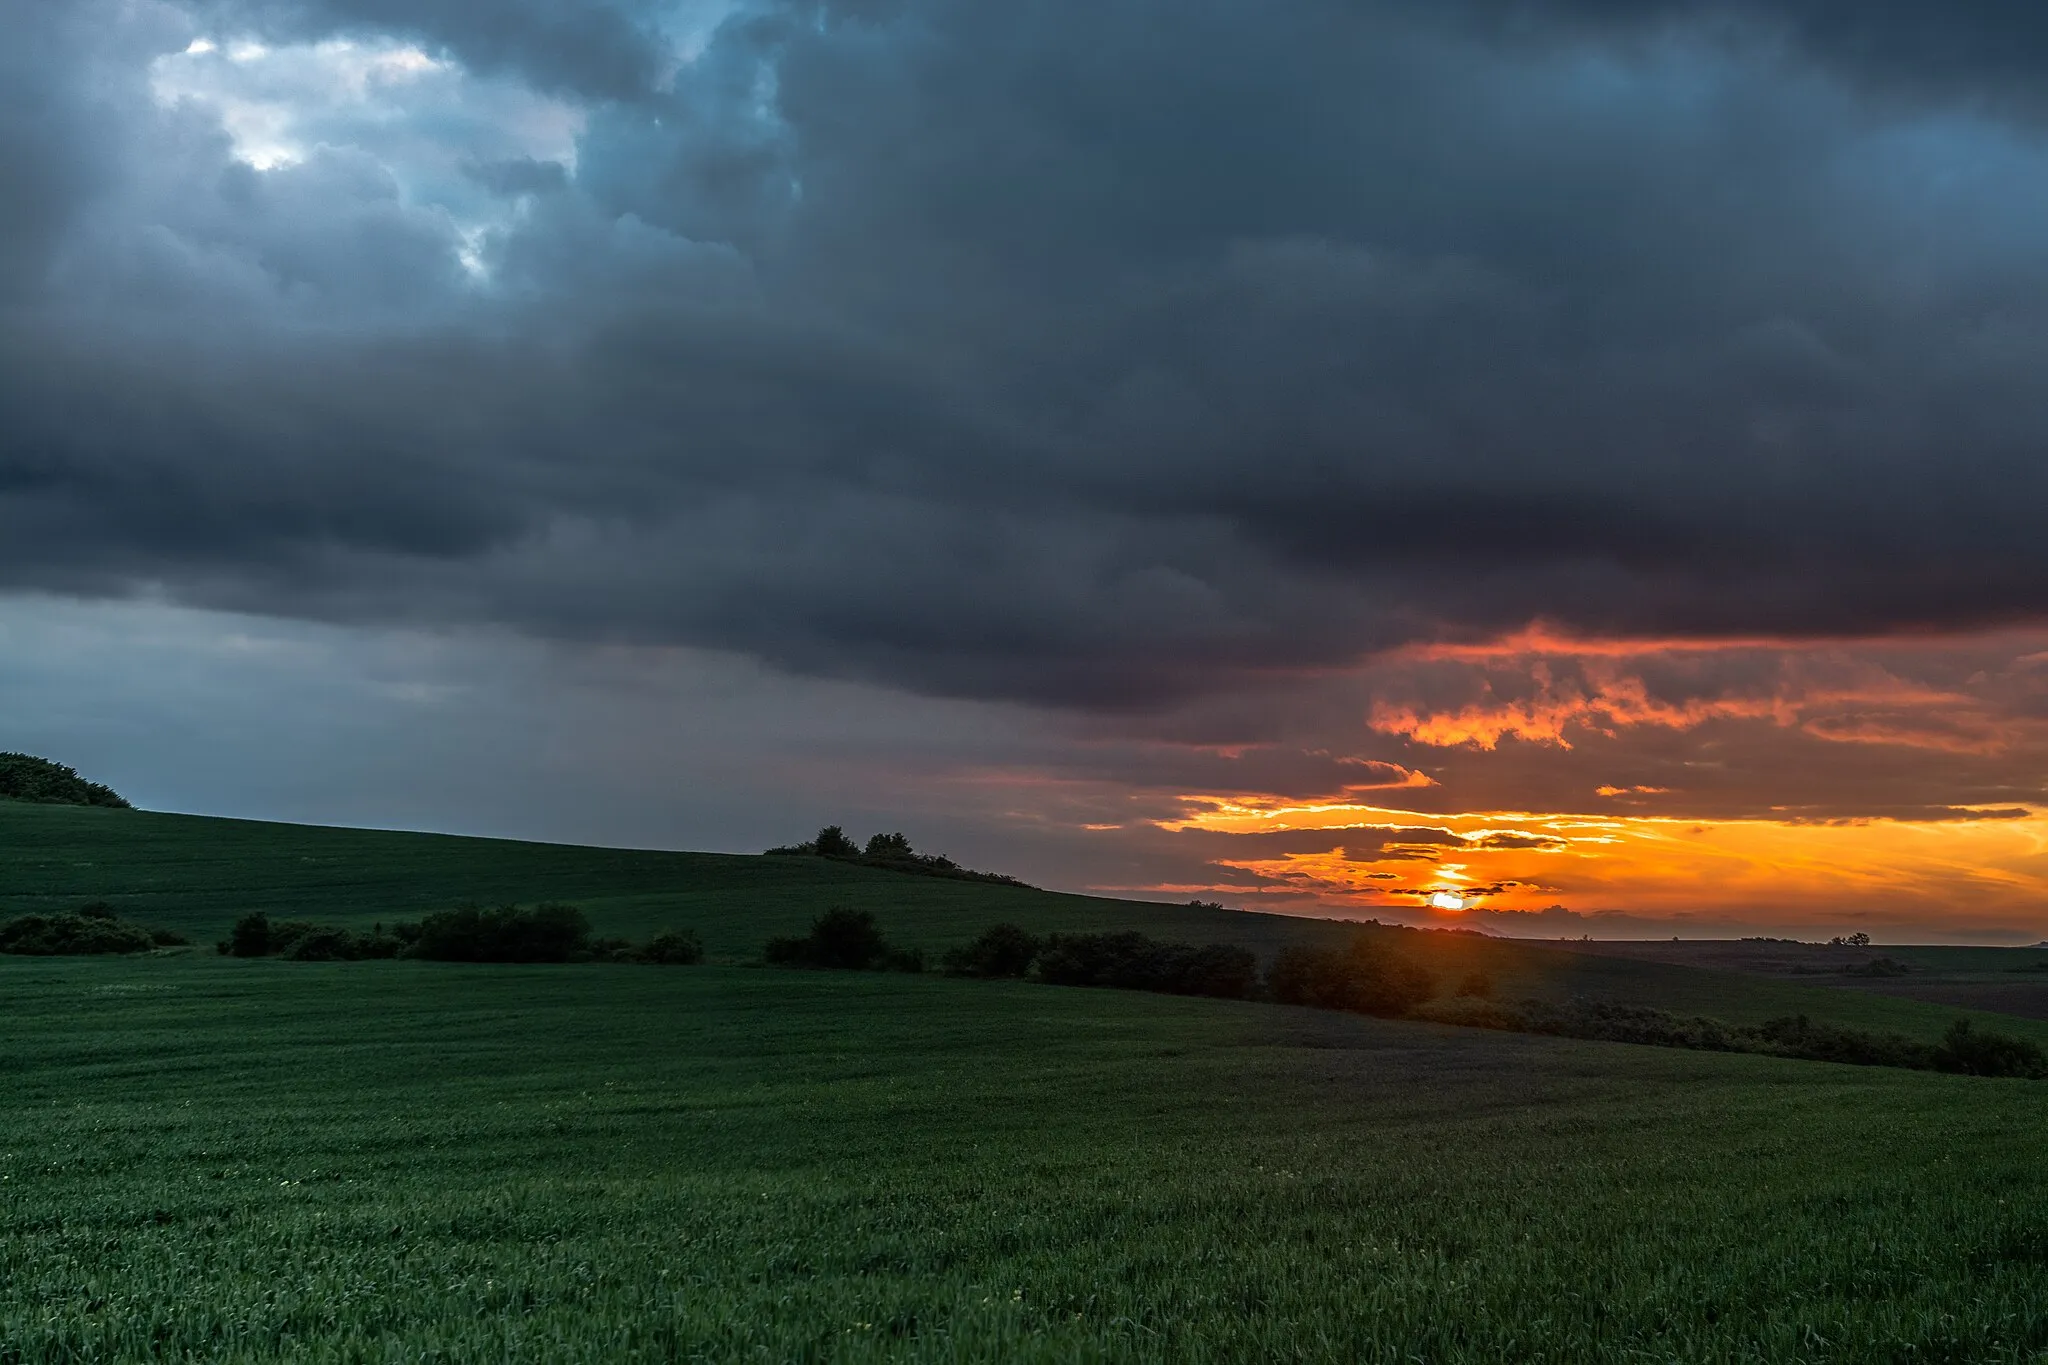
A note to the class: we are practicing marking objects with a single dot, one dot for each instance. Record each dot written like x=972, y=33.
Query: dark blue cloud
x=1089, y=354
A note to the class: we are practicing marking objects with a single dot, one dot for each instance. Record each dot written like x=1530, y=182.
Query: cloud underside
x=1239, y=389
x=1034, y=355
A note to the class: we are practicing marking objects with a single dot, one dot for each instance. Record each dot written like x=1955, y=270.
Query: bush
x=673, y=948
x=1364, y=978
x=845, y=939
x=1797, y=1036
x=1001, y=950
x=549, y=932
x=250, y=936
x=1134, y=962
x=1478, y=985
x=72, y=935
x=786, y=951
x=1979, y=1052
x=320, y=943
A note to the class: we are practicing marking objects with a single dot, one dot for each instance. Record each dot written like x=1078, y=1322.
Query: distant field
x=2009, y=981
x=213, y=1159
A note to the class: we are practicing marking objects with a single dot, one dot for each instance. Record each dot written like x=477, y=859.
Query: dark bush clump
x=89, y=930
x=892, y=851
x=1364, y=978
x=673, y=948
x=547, y=933
x=304, y=941
x=1476, y=985
x=75, y=935
x=1878, y=966
x=1002, y=950
x=1795, y=1035
x=1134, y=962
x=845, y=939
x=1981, y=1052
x=1601, y=1021
x=24, y=777
x=250, y=937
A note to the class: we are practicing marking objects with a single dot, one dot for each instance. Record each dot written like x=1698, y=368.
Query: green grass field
x=207, y=1158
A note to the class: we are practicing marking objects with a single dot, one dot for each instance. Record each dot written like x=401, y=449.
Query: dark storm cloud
x=1974, y=46
x=603, y=48
x=1085, y=354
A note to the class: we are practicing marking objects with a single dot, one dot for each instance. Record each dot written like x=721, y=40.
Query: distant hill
x=24, y=777
x=196, y=875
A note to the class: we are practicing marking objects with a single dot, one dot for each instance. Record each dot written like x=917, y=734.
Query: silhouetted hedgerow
x=1136, y=962
x=1364, y=977
x=1001, y=950
x=1125, y=961
x=550, y=932
x=1971, y=1051
x=505, y=933
x=88, y=931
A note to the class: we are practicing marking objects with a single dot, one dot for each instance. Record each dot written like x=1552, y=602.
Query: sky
x=1573, y=462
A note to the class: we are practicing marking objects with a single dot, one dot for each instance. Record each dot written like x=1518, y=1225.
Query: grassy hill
x=197, y=874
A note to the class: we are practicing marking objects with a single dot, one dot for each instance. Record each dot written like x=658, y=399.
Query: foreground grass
x=203, y=1159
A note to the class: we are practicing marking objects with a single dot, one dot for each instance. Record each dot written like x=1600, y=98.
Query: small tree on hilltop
x=833, y=843
x=888, y=846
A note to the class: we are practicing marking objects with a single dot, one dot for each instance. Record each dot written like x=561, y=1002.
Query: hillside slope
x=197, y=874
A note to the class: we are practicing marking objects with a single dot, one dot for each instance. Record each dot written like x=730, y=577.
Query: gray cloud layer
x=1087, y=354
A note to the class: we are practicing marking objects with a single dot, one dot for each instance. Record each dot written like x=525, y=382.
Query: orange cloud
x=1548, y=699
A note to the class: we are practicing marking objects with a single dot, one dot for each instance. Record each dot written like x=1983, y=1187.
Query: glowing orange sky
x=1896, y=782
x=1994, y=871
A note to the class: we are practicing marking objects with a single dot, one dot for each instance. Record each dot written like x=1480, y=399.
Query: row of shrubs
x=89, y=930
x=1366, y=976
x=1964, y=1050
x=1124, y=961
x=472, y=933
x=1362, y=977
x=851, y=940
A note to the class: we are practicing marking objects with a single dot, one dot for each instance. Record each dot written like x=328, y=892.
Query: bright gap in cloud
x=275, y=102
x=422, y=118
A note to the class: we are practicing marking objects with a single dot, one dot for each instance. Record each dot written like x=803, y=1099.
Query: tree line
x=890, y=851
x=24, y=777
x=1370, y=975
